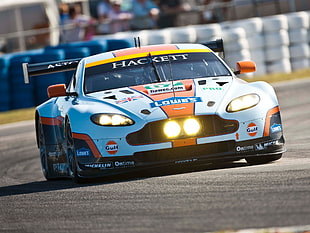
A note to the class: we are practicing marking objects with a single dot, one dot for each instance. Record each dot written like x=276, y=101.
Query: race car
x=151, y=107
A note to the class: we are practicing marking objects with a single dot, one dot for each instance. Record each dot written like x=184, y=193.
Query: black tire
x=45, y=164
x=70, y=150
x=263, y=159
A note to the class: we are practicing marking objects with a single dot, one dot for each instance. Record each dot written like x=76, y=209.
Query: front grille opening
x=211, y=125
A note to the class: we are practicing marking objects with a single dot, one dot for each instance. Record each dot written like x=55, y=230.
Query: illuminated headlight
x=242, y=103
x=191, y=126
x=172, y=129
x=111, y=120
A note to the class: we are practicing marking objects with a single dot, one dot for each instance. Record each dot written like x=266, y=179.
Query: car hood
x=159, y=100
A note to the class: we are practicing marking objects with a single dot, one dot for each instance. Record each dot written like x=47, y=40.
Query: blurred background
x=273, y=33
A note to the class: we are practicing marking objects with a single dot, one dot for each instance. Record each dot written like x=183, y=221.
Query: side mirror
x=245, y=67
x=56, y=90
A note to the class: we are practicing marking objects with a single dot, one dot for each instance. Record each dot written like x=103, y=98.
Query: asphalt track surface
x=211, y=198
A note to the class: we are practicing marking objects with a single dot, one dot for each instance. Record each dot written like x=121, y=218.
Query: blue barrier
x=21, y=94
x=15, y=94
x=4, y=85
x=75, y=52
x=114, y=44
x=42, y=82
x=94, y=46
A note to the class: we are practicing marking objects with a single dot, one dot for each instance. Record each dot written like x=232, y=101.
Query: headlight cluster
x=173, y=128
x=243, y=102
x=111, y=120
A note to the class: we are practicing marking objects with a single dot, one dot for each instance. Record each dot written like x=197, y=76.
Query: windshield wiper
x=155, y=68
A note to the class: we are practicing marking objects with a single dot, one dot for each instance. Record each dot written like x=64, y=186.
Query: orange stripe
x=268, y=118
x=184, y=142
x=57, y=121
x=89, y=142
x=186, y=109
x=143, y=49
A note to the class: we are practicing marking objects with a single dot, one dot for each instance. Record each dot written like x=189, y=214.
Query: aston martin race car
x=154, y=106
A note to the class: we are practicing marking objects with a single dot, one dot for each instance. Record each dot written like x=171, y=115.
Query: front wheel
x=73, y=166
x=263, y=159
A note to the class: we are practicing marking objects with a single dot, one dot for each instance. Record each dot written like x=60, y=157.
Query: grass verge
x=17, y=115
x=28, y=114
x=279, y=77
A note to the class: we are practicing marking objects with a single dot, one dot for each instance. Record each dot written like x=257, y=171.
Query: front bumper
x=190, y=155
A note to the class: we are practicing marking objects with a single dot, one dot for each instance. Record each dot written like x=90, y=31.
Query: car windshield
x=152, y=69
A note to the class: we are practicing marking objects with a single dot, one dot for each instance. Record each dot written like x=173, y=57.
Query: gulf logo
x=111, y=147
x=252, y=129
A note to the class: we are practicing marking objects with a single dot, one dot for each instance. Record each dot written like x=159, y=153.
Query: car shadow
x=61, y=184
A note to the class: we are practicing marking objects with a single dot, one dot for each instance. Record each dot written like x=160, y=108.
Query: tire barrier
x=41, y=82
x=254, y=35
x=4, y=87
x=15, y=94
x=275, y=23
x=275, y=29
x=236, y=45
x=299, y=35
x=183, y=35
x=277, y=44
x=21, y=94
x=298, y=32
x=269, y=41
x=207, y=32
x=156, y=37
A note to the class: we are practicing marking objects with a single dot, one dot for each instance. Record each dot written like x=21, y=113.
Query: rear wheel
x=263, y=159
x=73, y=166
x=45, y=164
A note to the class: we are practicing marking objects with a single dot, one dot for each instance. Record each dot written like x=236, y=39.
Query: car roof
x=94, y=60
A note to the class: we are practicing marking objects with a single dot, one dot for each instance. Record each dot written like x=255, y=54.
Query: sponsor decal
x=212, y=88
x=111, y=147
x=128, y=99
x=275, y=128
x=259, y=146
x=176, y=100
x=264, y=145
x=148, y=60
x=61, y=64
x=164, y=88
x=252, y=129
x=83, y=152
x=111, y=165
x=244, y=148
x=185, y=161
x=105, y=165
x=118, y=164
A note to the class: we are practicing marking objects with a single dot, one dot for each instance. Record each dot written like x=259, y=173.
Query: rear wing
x=216, y=45
x=30, y=70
